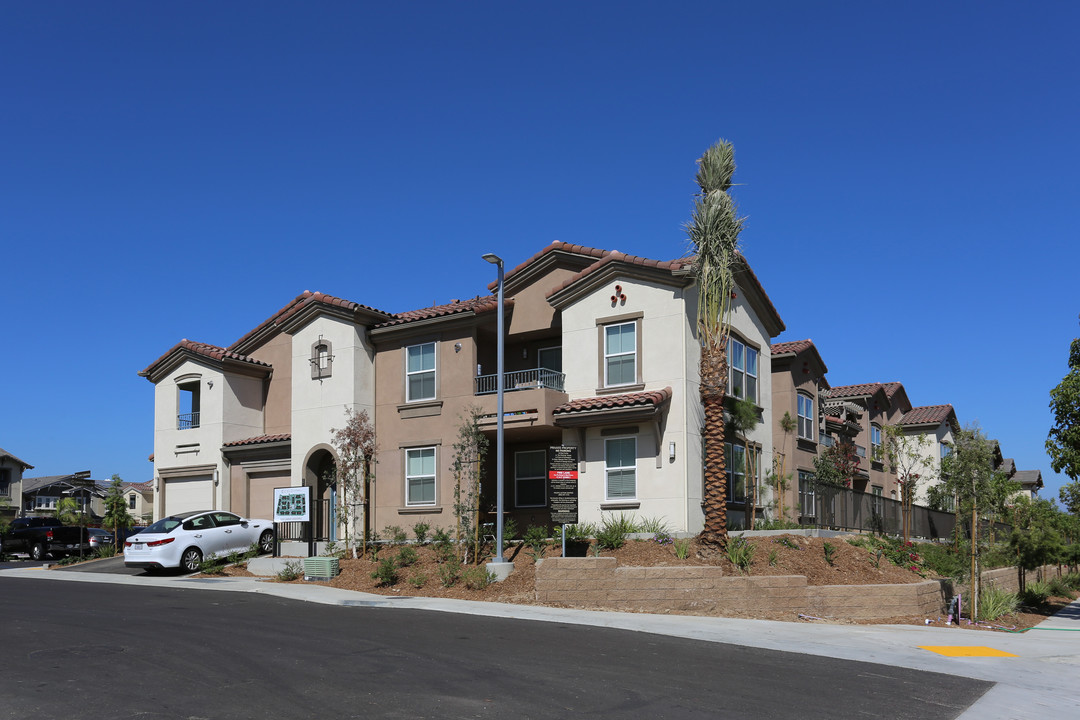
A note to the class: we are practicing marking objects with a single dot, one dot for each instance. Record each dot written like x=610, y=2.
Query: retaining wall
x=601, y=582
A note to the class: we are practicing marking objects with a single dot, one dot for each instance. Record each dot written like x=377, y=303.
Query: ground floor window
x=735, y=469
x=420, y=476
x=530, y=478
x=877, y=504
x=620, y=467
x=807, y=496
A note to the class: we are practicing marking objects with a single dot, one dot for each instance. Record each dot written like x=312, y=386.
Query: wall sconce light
x=210, y=384
x=457, y=347
x=524, y=353
x=671, y=451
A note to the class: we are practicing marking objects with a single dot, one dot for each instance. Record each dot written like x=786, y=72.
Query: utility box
x=320, y=568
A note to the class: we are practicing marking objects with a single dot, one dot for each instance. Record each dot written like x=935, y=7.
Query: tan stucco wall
x=277, y=418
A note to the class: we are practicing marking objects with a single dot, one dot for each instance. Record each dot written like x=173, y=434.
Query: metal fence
x=521, y=380
x=845, y=509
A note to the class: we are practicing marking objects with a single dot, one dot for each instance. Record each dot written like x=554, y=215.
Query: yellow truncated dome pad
x=966, y=651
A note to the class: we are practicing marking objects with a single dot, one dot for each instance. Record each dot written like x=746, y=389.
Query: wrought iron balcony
x=536, y=378
x=187, y=421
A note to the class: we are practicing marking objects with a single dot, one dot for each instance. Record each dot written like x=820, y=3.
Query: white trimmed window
x=742, y=370
x=530, y=478
x=620, y=354
x=620, y=468
x=806, y=416
x=420, y=372
x=420, y=476
x=875, y=443
x=131, y=502
x=735, y=469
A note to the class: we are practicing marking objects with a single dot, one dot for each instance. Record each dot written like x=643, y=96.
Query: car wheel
x=37, y=552
x=266, y=542
x=191, y=560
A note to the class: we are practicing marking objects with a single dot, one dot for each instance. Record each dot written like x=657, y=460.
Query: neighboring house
x=1030, y=483
x=41, y=495
x=139, y=498
x=601, y=354
x=11, y=481
x=879, y=404
x=938, y=425
x=798, y=390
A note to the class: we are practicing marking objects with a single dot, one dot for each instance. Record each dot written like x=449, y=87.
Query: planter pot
x=577, y=548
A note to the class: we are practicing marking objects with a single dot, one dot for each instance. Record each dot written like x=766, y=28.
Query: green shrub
x=830, y=552
x=536, y=539
x=654, y=525
x=510, y=528
x=212, y=565
x=106, y=551
x=788, y=542
x=740, y=552
x=1035, y=594
x=292, y=570
x=682, y=548
x=407, y=556
x=582, y=532
x=776, y=524
x=613, y=531
x=395, y=534
x=477, y=578
x=441, y=536
x=1072, y=580
x=941, y=560
x=418, y=580
x=386, y=573
x=1059, y=587
x=774, y=558
x=449, y=572
x=995, y=602
x=420, y=530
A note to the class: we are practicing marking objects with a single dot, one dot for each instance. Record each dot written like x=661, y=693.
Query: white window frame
x=131, y=502
x=805, y=421
x=608, y=356
x=876, y=450
x=542, y=477
x=434, y=477
x=608, y=469
x=433, y=370
x=730, y=451
x=807, y=493
x=738, y=390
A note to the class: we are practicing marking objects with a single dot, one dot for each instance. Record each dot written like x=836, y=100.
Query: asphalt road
x=89, y=650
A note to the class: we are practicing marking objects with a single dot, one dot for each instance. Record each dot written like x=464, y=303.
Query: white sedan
x=185, y=539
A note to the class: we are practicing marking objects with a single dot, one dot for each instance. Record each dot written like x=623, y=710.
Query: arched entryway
x=320, y=475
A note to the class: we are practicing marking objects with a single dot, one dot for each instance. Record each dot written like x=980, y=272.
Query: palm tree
x=713, y=231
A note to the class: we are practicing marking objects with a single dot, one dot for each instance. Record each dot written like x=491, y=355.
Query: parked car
x=41, y=537
x=100, y=538
x=183, y=540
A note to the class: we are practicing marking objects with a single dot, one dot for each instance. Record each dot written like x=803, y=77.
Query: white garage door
x=189, y=493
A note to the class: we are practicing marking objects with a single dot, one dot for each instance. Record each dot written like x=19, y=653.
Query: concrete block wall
x=601, y=582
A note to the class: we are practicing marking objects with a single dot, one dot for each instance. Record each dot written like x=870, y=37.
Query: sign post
x=292, y=504
x=563, y=476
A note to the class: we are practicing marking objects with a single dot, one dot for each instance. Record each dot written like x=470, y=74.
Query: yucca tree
x=714, y=237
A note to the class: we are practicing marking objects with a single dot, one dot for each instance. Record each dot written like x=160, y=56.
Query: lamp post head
x=493, y=259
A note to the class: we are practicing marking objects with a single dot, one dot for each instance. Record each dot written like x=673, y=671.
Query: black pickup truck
x=41, y=537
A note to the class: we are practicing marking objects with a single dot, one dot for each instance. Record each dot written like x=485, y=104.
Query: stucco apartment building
x=601, y=354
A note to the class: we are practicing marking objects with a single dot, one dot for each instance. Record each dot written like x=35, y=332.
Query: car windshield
x=164, y=525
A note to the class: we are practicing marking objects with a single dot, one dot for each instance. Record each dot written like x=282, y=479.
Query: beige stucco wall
x=277, y=415
x=929, y=465
x=788, y=379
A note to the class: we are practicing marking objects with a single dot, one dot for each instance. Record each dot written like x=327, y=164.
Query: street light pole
x=501, y=568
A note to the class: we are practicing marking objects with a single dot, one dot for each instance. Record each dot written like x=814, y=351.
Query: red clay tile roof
x=555, y=245
x=613, y=255
x=259, y=440
x=143, y=487
x=844, y=391
x=479, y=304
x=891, y=388
x=298, y=303
x=927, y=414
x=607, y=402
x=206, y=350
x=792, y=346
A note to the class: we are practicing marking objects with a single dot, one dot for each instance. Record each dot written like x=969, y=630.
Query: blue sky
x=184, y=170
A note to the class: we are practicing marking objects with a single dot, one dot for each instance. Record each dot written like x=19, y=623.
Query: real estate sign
x=292, y=504
x=563, y=477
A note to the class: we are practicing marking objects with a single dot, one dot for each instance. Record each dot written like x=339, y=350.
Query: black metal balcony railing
x=521, y=380
x=187, y=421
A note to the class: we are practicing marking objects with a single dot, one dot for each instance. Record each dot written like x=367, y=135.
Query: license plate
x=137, y=546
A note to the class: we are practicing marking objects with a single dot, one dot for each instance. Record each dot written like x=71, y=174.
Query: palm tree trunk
x=715, y=500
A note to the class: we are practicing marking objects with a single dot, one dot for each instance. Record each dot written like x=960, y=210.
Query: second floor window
x=420, y=372
x=806, y=416
x=188, y=402
x=322, y=360
x=620, y=354
x=742, y=370
x=131, y=502
x=875, y=443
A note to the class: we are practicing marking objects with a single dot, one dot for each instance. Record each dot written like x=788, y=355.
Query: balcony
x=532, y=379
x=187, y=421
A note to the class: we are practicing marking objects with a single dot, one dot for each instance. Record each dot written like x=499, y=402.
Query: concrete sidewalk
x=1038, y=677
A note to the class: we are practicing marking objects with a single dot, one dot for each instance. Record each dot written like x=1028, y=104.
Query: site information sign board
x=292, y=504
x=563, y=477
